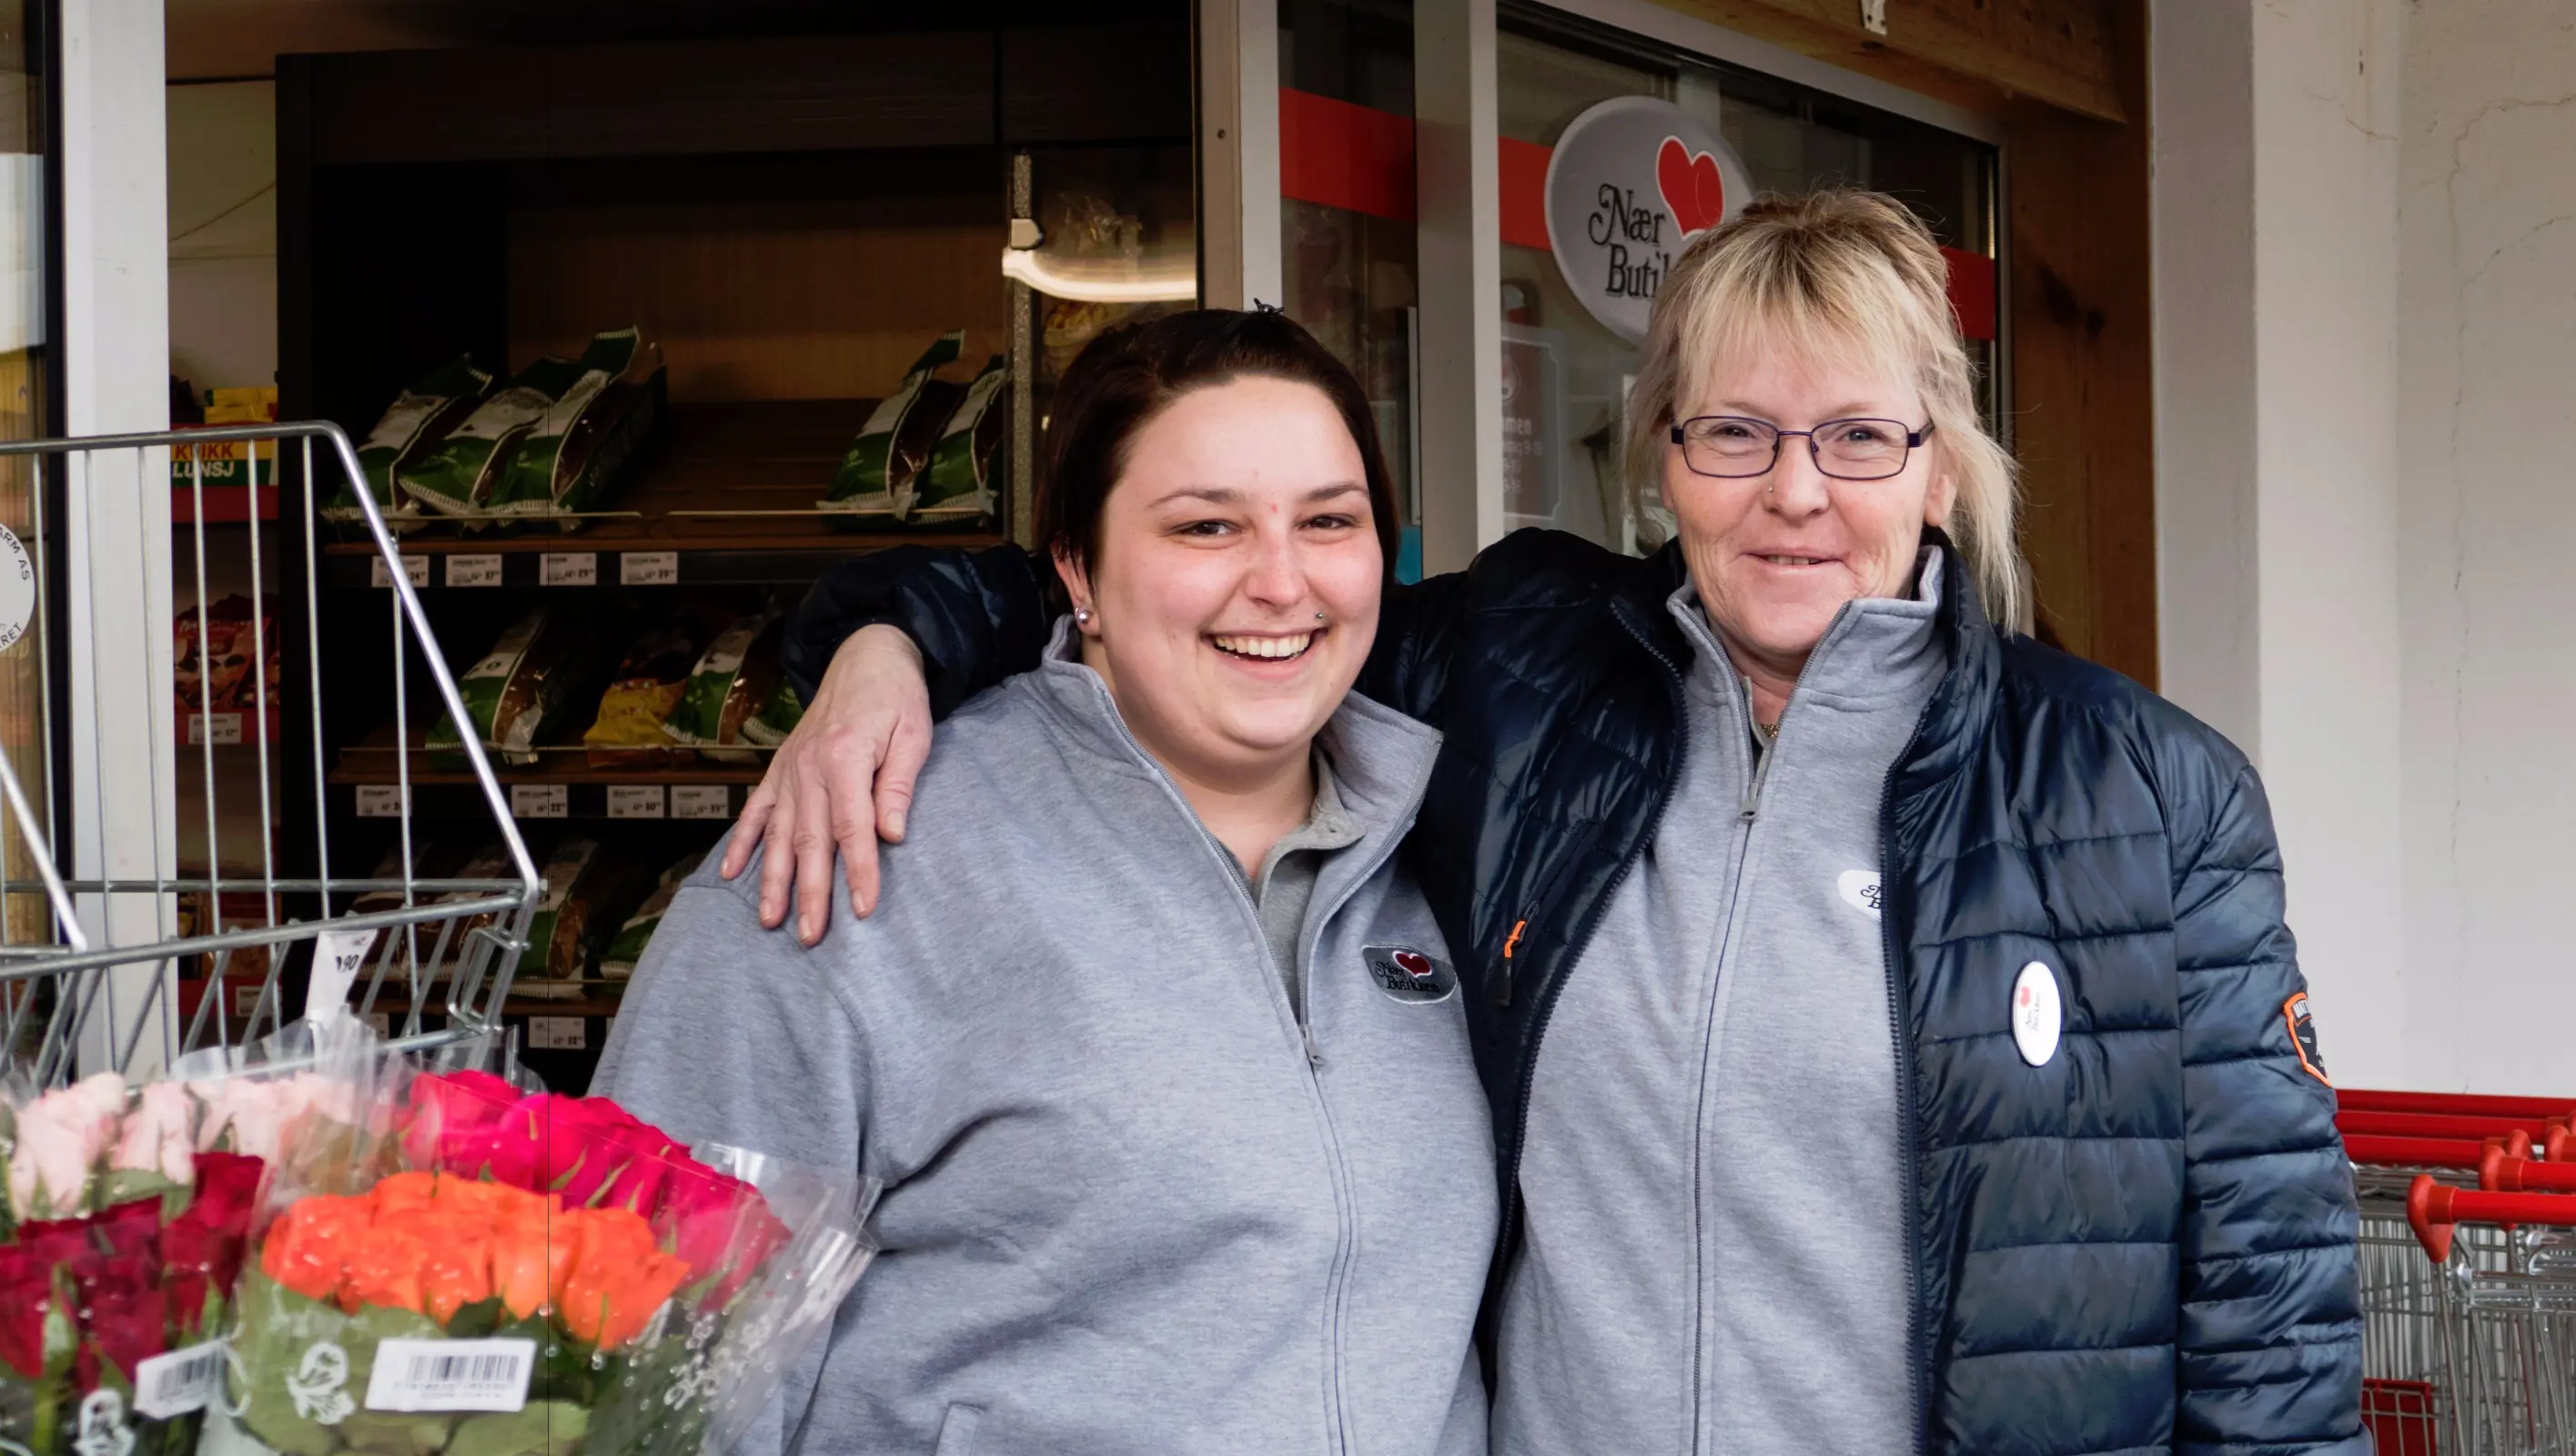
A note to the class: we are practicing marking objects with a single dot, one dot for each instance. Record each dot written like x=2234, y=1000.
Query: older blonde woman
x=1893, y=1039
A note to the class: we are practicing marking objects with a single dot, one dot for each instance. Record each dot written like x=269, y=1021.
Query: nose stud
x=1319, y=616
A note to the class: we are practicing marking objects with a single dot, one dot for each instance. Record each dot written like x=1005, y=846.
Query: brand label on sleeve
x=451, y=1375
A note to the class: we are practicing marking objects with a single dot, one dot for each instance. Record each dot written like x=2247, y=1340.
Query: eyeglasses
x=1731, y=447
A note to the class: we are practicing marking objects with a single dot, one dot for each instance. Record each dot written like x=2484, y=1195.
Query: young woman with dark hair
x=1161, y=1060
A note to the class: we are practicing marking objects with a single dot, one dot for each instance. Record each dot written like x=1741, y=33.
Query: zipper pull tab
x=1314, y=1053
x=1503, y=981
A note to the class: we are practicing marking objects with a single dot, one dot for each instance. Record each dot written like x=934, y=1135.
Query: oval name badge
x=2038, y=1014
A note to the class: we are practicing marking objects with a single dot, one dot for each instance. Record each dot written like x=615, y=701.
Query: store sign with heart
x=1630, y=183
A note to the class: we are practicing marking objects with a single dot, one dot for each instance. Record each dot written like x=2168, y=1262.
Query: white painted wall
x=223, y=233
x=2276, y=258
x=2486, y=452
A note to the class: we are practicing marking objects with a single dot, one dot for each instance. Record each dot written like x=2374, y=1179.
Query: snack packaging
x=492, y=1271
x=876, y=475
x=520, y=691
x=626, y=948
x=455, y=474
x=770, y=726
x=955, y=486
x=228, y=462
x=567, y=460
x=736, y=678
x=628, y=731
x=434, y=405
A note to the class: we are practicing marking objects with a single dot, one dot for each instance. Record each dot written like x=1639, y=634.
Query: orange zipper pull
x=1503, y=985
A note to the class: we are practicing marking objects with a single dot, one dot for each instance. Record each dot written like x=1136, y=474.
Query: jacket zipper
x=1909, y=1118
x=1583, y=938
x=1337, y=1281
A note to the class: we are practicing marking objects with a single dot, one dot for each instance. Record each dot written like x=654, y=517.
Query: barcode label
x=178, y=1382
x=541, y=801
x=220, y=729
x=379, y=801
x=415, y=567
x=451, y=1375
x=558, y=1034
x=701, y=801
x=570, y=568
x=635, y=801
x=648, y=568
x=474, y=570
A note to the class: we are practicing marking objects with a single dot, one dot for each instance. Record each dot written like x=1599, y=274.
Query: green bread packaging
x=956, y=485
x=530, y=682
x=569, y=458
x=455, y=476
x=735, y=679
x=435, y=404
x=876, y=475
x=617, y=962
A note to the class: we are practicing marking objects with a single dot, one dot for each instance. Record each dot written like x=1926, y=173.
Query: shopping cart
x=2508, y=1332
x=105, y=932
x=2393, y=1139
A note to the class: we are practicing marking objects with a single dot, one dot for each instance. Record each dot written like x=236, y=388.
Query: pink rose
x=61, y=1138
x=456, y=1121
x=158, y=1135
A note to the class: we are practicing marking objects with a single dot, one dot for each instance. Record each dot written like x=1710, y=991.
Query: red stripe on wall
x=1352, y=157
x=1523, y=166
x=1972, y=292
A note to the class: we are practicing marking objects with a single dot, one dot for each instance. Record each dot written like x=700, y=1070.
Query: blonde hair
x=1850, y=276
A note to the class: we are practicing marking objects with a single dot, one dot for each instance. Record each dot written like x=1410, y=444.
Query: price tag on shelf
x=415, y=567
x=635, y=801
x=220, y=729
x=541, y=801
x=379, y=801
x=648, y=568
x=558, y=1034
x=477, y=570
x=569, y=568
x=701, y=801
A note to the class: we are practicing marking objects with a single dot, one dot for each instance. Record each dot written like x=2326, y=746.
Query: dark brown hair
x=1130, y=374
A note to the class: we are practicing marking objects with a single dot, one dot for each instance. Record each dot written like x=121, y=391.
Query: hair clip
x=1259, y=307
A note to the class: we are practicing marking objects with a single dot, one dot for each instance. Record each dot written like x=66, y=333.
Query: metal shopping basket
x=2393, y=1138
x=2508, y=1334
x=100, y=941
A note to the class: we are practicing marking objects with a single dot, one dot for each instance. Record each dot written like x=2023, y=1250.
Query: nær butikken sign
x=1630, y=183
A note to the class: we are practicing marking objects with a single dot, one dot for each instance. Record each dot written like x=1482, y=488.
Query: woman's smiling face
x=1776, y=555
x=1234, y=591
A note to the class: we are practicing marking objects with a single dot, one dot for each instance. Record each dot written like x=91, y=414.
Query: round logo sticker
x=2037, y=1014
x=1409, y=975
x=17, y=589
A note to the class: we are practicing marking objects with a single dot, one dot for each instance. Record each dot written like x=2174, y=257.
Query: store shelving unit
x=791, y=218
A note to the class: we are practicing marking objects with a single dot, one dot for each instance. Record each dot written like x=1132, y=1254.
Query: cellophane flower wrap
x=126, y=1217
x=503, y=1270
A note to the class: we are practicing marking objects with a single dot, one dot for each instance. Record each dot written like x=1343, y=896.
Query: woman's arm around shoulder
x=2270, y=1353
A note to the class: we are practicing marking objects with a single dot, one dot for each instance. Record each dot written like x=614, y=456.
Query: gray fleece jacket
x=1130, y=1207
x=1716, y=1261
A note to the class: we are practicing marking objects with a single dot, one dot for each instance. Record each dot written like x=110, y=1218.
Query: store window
x=1566, y=371
x=1347, y=255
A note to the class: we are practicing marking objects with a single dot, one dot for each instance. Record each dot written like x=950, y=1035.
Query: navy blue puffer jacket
x=2145, y=1244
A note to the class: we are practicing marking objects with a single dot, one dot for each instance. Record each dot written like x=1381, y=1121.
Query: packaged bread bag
x=456, y=475
x=586, y=884
x=570, y=458
x=876, y=475
x=628, y=731
x=617, y=961
x=435, y=404
x=955, y=485
x=733, y=681
x=522, y=690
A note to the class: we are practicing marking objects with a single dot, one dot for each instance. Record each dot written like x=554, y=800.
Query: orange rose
x=308, y=1249
x=619, y=1279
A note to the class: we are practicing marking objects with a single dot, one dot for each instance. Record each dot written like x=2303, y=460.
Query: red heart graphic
x=1693, y=192
x=1414, y=963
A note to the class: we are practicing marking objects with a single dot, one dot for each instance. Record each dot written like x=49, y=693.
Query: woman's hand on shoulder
x=842, y=781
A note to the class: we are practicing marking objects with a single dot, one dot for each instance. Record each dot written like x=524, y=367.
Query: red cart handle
x=2357, y=1099
x=2417, y=1152
x=2561, y=1144
x=2473, y=1126
x=2501, y=1172
x=2433, y=1207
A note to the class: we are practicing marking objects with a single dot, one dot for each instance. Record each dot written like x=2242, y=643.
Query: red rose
x=123, y=1316
x=26, y=1293
x=201, y=1249
x=456, y=1117
x=719, y=1224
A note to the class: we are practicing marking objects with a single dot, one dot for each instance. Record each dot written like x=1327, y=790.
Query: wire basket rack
x=122, y=951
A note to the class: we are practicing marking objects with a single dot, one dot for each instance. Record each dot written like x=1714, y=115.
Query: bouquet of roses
x=492, y=1271
x=126, y=1215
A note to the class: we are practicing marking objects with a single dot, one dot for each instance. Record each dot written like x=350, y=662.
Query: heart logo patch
x=1693, y=192
x=1409, y=975
x=1414, y=963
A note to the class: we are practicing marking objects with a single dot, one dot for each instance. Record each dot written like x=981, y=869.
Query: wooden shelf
x=374, y=760
x=753, y=456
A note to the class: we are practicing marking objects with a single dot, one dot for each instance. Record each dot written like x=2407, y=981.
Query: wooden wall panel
x=2083, y=381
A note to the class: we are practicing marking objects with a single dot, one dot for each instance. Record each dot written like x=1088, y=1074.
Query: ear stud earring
x=1082, y=616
